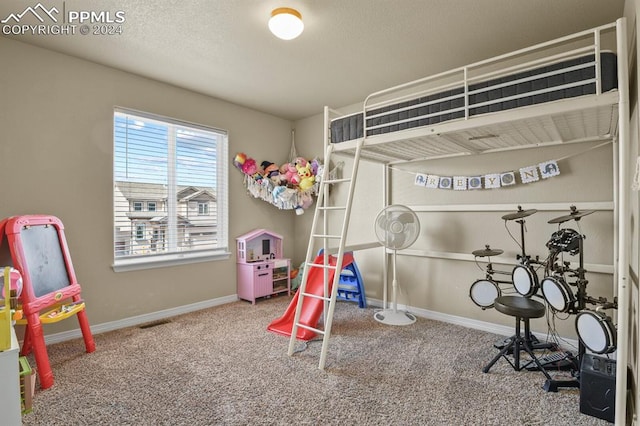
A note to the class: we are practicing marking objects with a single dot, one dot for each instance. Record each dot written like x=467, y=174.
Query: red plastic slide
x=311, y=307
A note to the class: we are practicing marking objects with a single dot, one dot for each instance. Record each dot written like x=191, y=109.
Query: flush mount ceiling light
x=286, y=23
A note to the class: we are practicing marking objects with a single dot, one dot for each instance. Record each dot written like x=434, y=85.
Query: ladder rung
x=326, y=236
x=337, y=180
x=315, y=296
x=320, y=265
x=345, y=287
x=317, y=330
x=333, y=208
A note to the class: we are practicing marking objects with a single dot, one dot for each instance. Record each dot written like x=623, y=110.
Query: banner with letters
x=525, y=175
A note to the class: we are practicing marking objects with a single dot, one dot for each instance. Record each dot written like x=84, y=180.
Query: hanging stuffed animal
x=277, y=194
x=306, y=178
x=269, y=169
x=249, y=166
x=239, y=160
x=300, y=162
x=306, y=200
x=290, y=173
x=315, y=166
x=291, y=186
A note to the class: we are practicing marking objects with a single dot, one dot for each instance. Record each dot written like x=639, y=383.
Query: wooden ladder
x=320, y=232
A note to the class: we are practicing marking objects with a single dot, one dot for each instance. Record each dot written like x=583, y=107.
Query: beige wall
x=56, y=118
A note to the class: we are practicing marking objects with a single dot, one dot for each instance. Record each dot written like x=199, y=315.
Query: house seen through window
x=170, y=191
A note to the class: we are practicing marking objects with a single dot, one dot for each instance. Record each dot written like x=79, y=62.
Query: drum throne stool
x=523, y=309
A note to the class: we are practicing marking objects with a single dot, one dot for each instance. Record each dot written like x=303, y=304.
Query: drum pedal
x=535, y=344
x=555, y=361
x=504, y=342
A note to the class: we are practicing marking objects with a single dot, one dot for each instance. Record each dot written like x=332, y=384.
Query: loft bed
x=568, y=96
x=568, y=90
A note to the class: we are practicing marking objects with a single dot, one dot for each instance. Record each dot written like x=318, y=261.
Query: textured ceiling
x=349, y=48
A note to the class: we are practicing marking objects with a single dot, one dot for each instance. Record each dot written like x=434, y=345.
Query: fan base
x=391, y=317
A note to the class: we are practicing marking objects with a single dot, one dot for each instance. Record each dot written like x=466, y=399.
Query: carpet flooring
x=220, y=366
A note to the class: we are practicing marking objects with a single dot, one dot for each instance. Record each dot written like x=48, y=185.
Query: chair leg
x=517, y=343
x=514, y=347
x=502, y=353
x=517, y=347
x=527, y=347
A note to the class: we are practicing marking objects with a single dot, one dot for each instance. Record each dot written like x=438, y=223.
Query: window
x=167, y=163
x=140, y=228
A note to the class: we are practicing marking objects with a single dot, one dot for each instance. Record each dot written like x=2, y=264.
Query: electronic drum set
x=563, y=288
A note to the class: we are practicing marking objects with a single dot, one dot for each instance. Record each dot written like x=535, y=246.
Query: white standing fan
x=397, y=227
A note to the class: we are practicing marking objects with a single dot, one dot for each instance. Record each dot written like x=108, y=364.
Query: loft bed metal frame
x=575, y=119
x=587, y=118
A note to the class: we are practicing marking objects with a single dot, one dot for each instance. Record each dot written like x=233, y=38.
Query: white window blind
x=162, y=169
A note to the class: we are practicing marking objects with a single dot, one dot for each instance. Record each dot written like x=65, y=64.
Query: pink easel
x=51, y=293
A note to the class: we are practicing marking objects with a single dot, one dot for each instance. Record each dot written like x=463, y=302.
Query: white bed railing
x=462, y=79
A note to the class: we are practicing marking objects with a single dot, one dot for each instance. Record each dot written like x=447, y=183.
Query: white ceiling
x=349, y=48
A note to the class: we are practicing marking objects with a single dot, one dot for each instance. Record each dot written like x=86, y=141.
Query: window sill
x=136, y=264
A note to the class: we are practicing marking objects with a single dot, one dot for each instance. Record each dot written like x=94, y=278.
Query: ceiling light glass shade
x=286, y=23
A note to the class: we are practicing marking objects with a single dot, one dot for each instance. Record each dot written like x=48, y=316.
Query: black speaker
x=598, y=387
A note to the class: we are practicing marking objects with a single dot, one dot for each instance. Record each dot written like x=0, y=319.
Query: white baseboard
x=140, y=319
